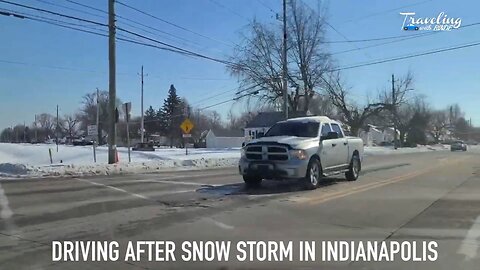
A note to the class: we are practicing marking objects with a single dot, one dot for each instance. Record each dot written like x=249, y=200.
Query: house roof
x=227, y=132
x=265, y=119
x=268, y=119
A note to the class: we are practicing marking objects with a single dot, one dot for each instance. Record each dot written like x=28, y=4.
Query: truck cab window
x=325, y=129
x=337, y=129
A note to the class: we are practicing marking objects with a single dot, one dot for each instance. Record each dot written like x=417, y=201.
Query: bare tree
x=258, y=60
x=47, y=123
x=69, y=125
x=322, y=105
x=88, y=111
x=352, y=113
x=307, y=49
x=240, y=121
x=438, y=124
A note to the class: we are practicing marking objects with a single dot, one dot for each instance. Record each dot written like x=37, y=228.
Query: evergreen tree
x=418, y=125
x=171, y=115
x=151, y=123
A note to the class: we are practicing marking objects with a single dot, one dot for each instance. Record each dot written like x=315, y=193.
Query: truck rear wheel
x=354, y=168
x=314, y=174
x=252, y=180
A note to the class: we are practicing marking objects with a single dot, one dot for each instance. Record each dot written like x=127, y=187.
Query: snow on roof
x=227, y=132
x=311, y=119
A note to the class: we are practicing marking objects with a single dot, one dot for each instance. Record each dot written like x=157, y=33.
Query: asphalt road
x=419, y=197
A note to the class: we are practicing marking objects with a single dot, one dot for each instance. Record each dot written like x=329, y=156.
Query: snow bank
x=28, y=160
x=33, y=160
x=389, y=150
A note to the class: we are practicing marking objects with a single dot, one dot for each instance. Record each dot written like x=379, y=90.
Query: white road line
x=185, y=183
x=114, y=188
x=220, y=224
x=6, y=213
x=471, y=242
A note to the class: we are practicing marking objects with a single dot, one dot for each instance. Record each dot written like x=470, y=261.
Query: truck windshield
x=298, y=129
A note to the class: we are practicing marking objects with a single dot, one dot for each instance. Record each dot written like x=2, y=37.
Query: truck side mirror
x=330, y=136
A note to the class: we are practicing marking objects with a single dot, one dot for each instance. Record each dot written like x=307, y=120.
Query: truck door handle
x=345, y=143
x=334, y=144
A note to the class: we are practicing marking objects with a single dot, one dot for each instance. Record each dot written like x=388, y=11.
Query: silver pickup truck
x=306, y=148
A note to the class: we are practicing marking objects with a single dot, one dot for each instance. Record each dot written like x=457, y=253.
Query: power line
x=229, y=9
x=170, y=23
x=26, y=15
x=346, y=39
x=87, y=6
x=266, y=6
x=53, y=13
x=383, y=12
x=70, y=8
x=186, y=52
x=408, y=56
x=403, y=39
x=175, y=48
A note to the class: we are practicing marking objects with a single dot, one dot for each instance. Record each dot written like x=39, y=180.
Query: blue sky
x=30, y=88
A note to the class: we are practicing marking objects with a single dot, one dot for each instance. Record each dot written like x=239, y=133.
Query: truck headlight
x=242, y=152
x=299, y=154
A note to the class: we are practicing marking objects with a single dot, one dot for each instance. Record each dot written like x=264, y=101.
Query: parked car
x=143, y=147
x=458, y=145
x=306, y=148
x=81, y=141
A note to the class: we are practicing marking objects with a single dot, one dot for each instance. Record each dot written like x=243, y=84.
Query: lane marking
x=171, y=177
x=362, y=188
x=114, y=188
x=6, y=213
x=185, y=183
x=471, y=242
x=220, y=224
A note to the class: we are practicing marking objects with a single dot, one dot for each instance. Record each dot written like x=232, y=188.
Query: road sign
x=187, y=126
x=92, y=130
x=187, y=135
x=127, y=107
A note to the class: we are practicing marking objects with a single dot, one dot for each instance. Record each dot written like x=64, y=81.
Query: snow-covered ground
x=33, y=160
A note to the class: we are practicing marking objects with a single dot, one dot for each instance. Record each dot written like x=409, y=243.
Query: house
x=260, y=124
x=374, y=135
x=222, y=138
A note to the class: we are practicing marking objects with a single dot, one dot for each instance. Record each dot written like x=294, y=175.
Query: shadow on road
x=267, y=187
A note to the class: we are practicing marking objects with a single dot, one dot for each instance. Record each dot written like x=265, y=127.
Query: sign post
x=186, y=127
x=127, y=108
x=92, y=130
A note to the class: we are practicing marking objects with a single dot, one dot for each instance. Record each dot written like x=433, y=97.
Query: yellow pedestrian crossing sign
x=186, y=126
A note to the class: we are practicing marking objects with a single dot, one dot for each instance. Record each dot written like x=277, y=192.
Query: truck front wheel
x=252, y=180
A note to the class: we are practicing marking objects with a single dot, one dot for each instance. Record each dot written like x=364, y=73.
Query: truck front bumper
x=293, y=168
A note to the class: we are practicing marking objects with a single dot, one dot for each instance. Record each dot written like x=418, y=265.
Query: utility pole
x=285, y=72
x=56, y=130
x=394, y=110
x=36, y=132
x=24, y=132
x=97, y=122
x=112, y=132
x=142, y=127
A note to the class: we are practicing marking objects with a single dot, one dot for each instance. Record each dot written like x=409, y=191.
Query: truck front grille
x=273, y=153
x=254, y=156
